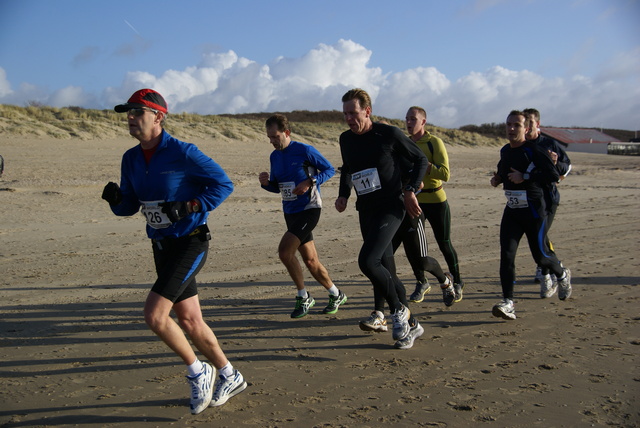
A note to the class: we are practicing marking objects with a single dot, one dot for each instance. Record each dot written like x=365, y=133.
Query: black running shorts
x=177, y=263
x=302, y=224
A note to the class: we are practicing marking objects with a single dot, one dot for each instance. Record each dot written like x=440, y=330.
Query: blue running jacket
x=177, y=171
x=293, y=165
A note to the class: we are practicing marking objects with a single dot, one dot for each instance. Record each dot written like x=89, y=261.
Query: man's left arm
x=215, y=184
x=321, y=164
x=563, y=164
x=439, y=167
x=417, y=159
x=545, y=171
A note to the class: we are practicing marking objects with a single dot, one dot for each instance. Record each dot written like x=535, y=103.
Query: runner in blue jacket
x=179, y=171
x=175, y=185
x=297, y=171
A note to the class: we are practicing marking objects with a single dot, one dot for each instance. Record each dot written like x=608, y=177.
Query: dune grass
x=322, y=127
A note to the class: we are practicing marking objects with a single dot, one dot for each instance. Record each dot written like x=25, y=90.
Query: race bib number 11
x=366, y=181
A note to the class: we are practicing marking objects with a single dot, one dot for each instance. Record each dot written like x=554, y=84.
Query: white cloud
x=71, y=96
x=5, y=86
x=227, y=83
x=326, y=66
x=23, y=95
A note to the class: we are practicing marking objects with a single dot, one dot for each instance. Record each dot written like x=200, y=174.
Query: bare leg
x=190, y=319
x=287, y=251
x=317, y=269
x=157, y=311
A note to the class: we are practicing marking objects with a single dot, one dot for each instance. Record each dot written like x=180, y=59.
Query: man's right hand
x=264, y=178
x=112, y=193
x=341, y=204
x=495, y=180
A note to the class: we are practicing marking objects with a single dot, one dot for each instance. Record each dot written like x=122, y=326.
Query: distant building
x=631, y=148
x=580, y=139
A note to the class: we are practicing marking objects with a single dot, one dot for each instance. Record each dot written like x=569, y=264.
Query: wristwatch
x=195, y=205
x=409, y=188
x=526, y=176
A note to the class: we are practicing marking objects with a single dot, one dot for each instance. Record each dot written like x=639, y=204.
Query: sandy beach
x=73, y=278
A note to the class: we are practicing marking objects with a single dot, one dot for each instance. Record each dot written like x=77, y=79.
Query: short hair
x=358, y=94
x=419, y=109
x=531, y=111
x=280, y=120
x=527, y=121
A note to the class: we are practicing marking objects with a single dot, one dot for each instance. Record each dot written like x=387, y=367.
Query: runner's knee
x=191, y=324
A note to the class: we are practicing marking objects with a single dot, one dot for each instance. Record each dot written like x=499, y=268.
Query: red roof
x=577, y=135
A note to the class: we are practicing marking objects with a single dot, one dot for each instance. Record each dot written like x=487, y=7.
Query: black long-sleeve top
x=563, y=165
x=390, y=152
x=535, y=160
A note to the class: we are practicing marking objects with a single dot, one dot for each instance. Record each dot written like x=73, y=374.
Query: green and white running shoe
x=334, y=303
x=302, y=306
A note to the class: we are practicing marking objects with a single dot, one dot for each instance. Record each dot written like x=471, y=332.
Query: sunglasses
x=137, y=112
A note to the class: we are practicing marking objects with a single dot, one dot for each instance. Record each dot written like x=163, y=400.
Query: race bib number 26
x=154, y=215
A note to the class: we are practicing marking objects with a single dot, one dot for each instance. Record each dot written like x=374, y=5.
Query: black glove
x=112, y=193
x=176, y=211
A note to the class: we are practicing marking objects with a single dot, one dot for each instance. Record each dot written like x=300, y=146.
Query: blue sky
x=465, y=61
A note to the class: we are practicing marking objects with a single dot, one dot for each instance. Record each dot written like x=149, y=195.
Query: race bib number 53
x=154, y=215
x=366, y=181
x=516, y=198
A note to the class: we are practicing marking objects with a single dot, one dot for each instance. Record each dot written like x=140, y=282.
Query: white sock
x=380, y=314
x=195, y=368
x=303, y=293
x=334, y=290
x=227, y=370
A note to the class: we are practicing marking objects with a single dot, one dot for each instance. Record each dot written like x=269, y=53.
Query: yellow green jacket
x=437, y=172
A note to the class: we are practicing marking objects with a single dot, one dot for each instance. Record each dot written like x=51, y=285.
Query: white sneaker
x=201, y=390
x=564, y=285
x=227, y=387
x=401, y=323
x=504, y=310
x=374, y=323
x=415, y=332
x=548, y=286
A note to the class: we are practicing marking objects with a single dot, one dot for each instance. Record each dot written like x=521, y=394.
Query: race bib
x=366, y=181
x=286, y=190
x=154, y=215
x=516, y=198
